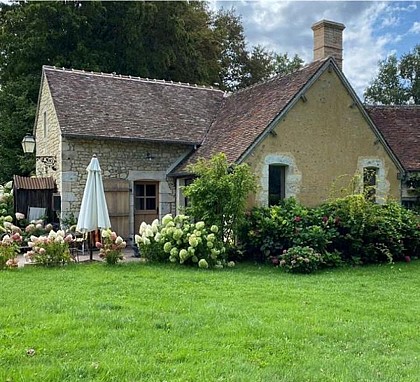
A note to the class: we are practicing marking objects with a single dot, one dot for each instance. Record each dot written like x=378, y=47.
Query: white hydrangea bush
x=182, y=241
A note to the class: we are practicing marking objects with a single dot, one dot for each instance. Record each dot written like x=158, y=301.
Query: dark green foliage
x=398, y=81
x=370, y=233
x=219, y=193
x=300, y=260
x=269, y=231
x=361, y=231
x=179, y=41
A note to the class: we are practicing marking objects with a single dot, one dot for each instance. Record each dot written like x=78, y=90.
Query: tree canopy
x=179, y=41
x=398, y=81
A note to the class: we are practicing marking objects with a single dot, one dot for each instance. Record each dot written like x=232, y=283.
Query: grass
x=137, y=322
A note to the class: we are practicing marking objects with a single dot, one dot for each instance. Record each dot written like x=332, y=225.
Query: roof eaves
x=179, y=161
x=97, y=137
x=180, y=174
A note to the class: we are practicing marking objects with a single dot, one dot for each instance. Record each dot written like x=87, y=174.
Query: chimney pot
x=328, y=41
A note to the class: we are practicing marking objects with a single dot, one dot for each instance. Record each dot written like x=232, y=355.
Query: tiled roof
x=110, y=106
x=24, y=183
x=400, y=126
x=246, y=114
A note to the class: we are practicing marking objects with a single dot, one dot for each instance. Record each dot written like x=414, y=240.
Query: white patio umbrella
x=93, y=210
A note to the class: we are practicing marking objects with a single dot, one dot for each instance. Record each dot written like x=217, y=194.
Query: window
x=276, y=183
x=45, y=124
x=369, y=183
x=145, y=196
x=187, y=182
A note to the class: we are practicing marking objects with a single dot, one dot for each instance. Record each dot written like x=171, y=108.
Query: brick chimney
x=328, y=40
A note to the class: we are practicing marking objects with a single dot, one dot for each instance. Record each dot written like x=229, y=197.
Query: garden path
x=128, y=257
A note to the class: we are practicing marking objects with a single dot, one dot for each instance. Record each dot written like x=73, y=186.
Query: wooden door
x=146, y=203
x=117, y=194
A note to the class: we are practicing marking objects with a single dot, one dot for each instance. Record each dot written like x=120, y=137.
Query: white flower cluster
x=148, y=232
x=184, y=241
x=6, y=226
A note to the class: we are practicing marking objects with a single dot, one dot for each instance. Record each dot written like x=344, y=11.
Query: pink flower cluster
x=15, y=238
x=40, y=245
x=111, y=245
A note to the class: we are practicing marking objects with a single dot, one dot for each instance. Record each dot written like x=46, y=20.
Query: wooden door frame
x=133, y=196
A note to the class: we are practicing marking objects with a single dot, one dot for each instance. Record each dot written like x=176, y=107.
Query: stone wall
x=121, y=160
x=48, y=138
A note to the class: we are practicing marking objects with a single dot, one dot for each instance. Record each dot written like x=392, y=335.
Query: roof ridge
x=133, y=78
x=278, y=76
x=391, y=106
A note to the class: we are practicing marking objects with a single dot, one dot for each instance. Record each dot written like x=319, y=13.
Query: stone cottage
x=302, y=134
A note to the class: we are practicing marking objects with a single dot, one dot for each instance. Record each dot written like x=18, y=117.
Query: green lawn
x=139, y=322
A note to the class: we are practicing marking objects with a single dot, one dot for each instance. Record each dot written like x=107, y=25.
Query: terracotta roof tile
x=246, y=114
x=111, y=106
x=400, y=126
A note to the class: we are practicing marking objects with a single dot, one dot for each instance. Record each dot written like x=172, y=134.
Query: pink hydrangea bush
x=111, y=247
x=50, y=250
x=9, y=249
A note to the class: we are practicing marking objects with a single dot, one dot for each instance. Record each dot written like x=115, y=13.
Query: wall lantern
x=28, y=145
x=149, y=156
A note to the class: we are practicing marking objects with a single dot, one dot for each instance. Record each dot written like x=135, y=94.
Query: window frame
x=144, y=197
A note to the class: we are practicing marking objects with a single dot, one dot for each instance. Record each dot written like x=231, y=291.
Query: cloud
x=286, y=27
x=390, y=21
x=415, y=28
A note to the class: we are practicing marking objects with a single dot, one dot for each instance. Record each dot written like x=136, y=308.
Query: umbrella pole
x=90, y=246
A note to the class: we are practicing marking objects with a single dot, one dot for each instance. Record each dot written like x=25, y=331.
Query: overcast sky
x=373, y=30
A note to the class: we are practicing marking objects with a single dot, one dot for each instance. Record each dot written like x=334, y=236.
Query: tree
x=230, y=38
x=219, y=193
x=179, y=41
x=171, y=41
x=397, y=82
x=410, y=72
x=262, y=64
x=259, y=66
x=284, y=65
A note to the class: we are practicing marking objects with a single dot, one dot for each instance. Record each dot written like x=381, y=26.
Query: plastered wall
x=325, y=141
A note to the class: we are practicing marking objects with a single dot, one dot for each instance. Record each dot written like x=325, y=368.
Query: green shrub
x=111, y=247
x=218, y=194
x=182, y=241
x=361, y=231
x=372, y=233
x=268, y=231
x=300, y=260
x=6, y=199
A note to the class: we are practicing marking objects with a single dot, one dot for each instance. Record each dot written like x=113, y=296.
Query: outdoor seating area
x=32, y=239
